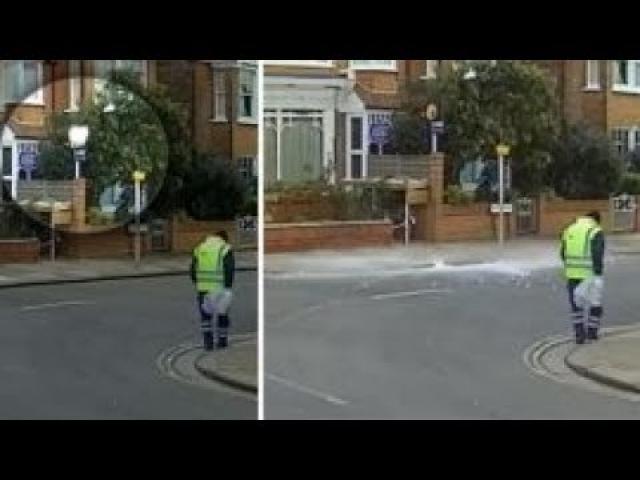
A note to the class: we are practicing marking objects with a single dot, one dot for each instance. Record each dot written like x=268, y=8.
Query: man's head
x=595, y=215
x=223, y=235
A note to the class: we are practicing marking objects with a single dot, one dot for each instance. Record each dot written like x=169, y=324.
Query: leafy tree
x=584, y=165
x=131, y=127
x=214, y=189
x=508, y=102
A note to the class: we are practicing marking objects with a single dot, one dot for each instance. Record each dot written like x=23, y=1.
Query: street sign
x=139, y=176
x=416, y=196
x=80, y=154
x=503, y=150
x=379, y=133
x=28, y=162
x=506, y=208
x=437, y=127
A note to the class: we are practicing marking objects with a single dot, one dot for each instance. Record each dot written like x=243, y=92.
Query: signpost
x=379, y=134
x=503, y=151
x=437, y=128
x=138, y=178
x=28, y=162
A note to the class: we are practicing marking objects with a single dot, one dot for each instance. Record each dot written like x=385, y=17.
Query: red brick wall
x=19, y=251
x=187, y=234
x=555, y=215
x=301, y=206
x=99, y=244
x=327, y=235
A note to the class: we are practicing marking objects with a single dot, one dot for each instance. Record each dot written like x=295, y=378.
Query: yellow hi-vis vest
x=209, y=257
x=578, y=262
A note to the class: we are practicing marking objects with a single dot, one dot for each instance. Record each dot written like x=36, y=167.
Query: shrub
x=630, y=184
x=583, y=164
x=454, y=195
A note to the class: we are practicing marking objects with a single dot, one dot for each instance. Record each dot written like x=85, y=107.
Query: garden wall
x=327, y=235
x=20, y=251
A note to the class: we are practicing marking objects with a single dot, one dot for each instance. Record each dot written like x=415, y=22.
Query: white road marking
x=408, y=294
x=44, y=306
x=309, y=391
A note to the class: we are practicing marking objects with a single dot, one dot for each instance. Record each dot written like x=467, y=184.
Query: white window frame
x=119, y=65
x=34, y=98
x=363, y=151
x=249, y=159
x=253, y=119
x=430, y=69
x=374, y=65
x=219, y=96
x=633, y=77
x=8, y=140
x=301, y=63
x=592, y=74
x=327, y=133
x=631, y=141
x=75, y=85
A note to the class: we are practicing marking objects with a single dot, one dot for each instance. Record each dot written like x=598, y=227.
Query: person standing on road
x=212, y=272
x=582, y=252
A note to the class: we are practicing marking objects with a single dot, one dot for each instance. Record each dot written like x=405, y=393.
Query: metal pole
x=137, y=213
x=501, y=200
x=406, y=214
x=52, y=247
x=434, y=142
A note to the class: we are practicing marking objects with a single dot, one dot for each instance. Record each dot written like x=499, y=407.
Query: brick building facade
x=604, y=94
x=327, y=118
x=220, y=98
x=330, y=117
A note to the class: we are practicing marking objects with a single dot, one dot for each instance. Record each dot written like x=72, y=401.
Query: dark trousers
x=594, y=316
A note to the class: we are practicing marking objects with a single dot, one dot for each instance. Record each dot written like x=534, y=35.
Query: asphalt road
x=439, y=345
x=89, y=351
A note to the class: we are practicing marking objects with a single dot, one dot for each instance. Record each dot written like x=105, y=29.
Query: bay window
x=373, y=64
x=23, y=81
x=592, y=72
x=626, y=76
x=301, y=63
x=219, y=96
x=103, y=68
x=247, y=97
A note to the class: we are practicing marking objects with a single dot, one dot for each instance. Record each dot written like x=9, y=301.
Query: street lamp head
x=431, y=112
x=78, y=135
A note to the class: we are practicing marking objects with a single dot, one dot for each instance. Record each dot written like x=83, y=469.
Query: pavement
x=614, y=360
x=431, y=332
x=236, y=366
x=94, y=351
x=85, y=270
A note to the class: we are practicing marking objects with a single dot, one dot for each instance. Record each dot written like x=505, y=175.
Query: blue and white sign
x=437, y=127
x=379, y=133
x=28, y=158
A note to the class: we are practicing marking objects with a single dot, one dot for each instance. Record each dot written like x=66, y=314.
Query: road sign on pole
x=138, y=178
x=503, y=151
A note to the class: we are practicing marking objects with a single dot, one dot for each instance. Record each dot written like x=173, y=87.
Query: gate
x=160, y=235
x=526, y=216
x=623, y=213
x=247, y=230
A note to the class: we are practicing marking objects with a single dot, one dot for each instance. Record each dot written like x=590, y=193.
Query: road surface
x=89, y=351
x=440, y=344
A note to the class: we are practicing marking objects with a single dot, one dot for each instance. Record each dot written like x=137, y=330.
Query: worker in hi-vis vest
x=212, y=271
x=582, y=252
